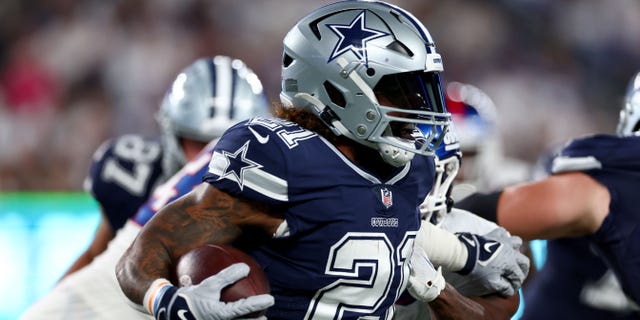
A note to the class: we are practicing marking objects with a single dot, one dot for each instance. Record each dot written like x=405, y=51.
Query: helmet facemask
x=413, y=107
x=437, y=204
x=447, y=164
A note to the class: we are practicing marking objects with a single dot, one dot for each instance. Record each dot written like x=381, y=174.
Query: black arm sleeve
x=482, y=204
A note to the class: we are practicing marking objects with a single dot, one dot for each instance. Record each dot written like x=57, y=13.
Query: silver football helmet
x=629, y=123
x=204, y=100
x=369, y=70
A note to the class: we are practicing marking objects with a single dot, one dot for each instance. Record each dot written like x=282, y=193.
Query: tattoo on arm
x=205, y=215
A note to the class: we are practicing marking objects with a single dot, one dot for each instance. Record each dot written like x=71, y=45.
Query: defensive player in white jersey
x=204, y=100
x=466, y=297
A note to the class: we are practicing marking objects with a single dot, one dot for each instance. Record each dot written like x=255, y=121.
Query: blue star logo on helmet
x=354, y=37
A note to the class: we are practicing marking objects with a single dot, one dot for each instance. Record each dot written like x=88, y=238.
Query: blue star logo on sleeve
x=238, y=164
x=354, y=37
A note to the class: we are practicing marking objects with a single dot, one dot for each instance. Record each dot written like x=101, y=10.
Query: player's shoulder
x=268, y=132
x=129, y=162
x=595, y=152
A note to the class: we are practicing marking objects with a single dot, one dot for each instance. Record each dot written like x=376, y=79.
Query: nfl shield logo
x=387, y=197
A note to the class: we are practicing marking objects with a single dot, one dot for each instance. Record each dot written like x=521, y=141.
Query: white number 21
x=348, y=256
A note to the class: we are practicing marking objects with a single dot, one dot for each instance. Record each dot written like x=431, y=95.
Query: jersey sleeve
x=122, y=175
x=248, y=161
x=615, y=163
x=180, y=184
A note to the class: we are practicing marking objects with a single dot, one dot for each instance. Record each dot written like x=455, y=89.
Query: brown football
x=207, y=260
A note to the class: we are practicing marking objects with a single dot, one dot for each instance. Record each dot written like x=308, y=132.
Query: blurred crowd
x=76, y=72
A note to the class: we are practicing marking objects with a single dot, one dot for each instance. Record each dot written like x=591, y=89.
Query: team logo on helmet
x=354, y=38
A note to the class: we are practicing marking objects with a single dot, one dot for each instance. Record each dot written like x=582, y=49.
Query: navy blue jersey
x=180, y=184
x=342, y=251
x=572, y=285
x=122, y=175
x=615, y=163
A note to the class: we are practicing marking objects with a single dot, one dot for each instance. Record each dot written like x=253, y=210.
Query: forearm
x=136, y=272
x=174, y=230
x=451, y=305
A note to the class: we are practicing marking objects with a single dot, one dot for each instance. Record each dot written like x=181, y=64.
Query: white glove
x=202, y=301
x=495, y=263
x=425, y=282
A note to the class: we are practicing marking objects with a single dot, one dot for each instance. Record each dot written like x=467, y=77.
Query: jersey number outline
x=357, y=252
x=141, y=153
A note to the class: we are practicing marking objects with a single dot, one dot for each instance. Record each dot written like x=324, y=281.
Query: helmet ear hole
x=334, y=94
x=371, y=72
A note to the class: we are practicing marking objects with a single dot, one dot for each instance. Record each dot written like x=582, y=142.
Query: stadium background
x=74, y=73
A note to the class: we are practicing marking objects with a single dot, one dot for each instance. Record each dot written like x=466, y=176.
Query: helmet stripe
x=212, y=75
x=224, y=85
x=424, y=33
x=234, y=79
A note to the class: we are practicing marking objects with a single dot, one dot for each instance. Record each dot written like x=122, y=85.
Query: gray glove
x=494, y=265
x=202, y=301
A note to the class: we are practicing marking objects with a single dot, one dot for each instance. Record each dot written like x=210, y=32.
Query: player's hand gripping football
x=202, y=301
x=425, y=282
x=495, y=263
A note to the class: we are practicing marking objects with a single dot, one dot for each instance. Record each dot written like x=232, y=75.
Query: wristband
x=154, y=294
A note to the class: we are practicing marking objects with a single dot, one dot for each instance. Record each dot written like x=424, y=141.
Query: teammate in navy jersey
x=205, y=99
x=328, y=192
x=126, y=169
x=589, y=202
x=575, y=282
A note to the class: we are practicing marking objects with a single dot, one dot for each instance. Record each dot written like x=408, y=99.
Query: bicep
x=568, y=204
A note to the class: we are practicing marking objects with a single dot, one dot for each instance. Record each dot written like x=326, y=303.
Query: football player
x=205, y=99
x=575, y=282
x=590, y=194
x=327, y=192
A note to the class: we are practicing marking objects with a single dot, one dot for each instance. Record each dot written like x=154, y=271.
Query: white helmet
x=204, y=100
x=629, y=123
x=369, y=70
